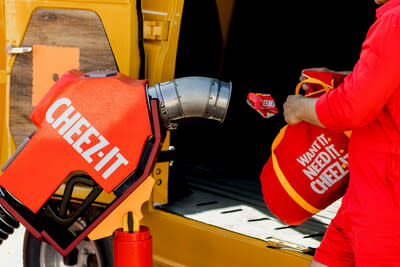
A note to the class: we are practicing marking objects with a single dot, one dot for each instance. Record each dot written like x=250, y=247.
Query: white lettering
x=316, y=167
x=320, y=190
x=120, y=160
x=303, y=160
x=344, y=159
x=94, y=149
x=84, y=138
x=323, y=183
x=322, y=139
x=106, y=159
x=310, y=172
x=332, y=151
x=322, y=159
x=76, y=129
x=64, y=118
x=72, y=125
x=55, y=106
x=329, y=177
x=314, y=148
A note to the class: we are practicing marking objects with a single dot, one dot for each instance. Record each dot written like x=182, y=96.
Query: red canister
x=133, y=248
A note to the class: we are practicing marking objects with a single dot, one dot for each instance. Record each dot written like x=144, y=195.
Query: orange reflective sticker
x=49, y=63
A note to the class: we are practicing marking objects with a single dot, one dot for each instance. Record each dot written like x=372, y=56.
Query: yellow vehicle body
x=177, y=241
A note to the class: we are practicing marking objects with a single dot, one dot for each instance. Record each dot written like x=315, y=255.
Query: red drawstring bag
x=307, y=169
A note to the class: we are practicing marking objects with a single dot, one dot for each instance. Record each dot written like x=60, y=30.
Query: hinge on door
x=155, y=30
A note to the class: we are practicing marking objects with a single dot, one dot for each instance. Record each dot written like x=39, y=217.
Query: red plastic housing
x=115, y=109
x=133, y=249
x=94, y=125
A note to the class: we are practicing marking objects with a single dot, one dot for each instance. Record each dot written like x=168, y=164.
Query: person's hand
x=298, y=108
x=293, y=109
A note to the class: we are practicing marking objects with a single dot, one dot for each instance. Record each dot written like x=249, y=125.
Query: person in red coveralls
x=366, y=229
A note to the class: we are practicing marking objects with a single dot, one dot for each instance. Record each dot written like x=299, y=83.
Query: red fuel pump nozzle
x=101, y=131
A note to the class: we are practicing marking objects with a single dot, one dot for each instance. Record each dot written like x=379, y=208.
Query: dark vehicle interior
x=268, y=45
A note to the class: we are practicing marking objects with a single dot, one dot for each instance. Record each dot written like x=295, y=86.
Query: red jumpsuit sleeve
x=363, y=94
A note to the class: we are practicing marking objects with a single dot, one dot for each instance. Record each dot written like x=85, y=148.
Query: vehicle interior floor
x=237, y=205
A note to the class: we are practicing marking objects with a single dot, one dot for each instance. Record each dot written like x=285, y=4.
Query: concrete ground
x=11, y=249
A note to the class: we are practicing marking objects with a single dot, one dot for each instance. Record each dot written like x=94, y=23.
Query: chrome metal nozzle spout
x=191, y=97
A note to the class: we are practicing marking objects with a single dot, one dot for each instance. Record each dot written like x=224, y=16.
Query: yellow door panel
x=179, y=241
x=61, y=40
x=6, y=144
x=161, y=54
